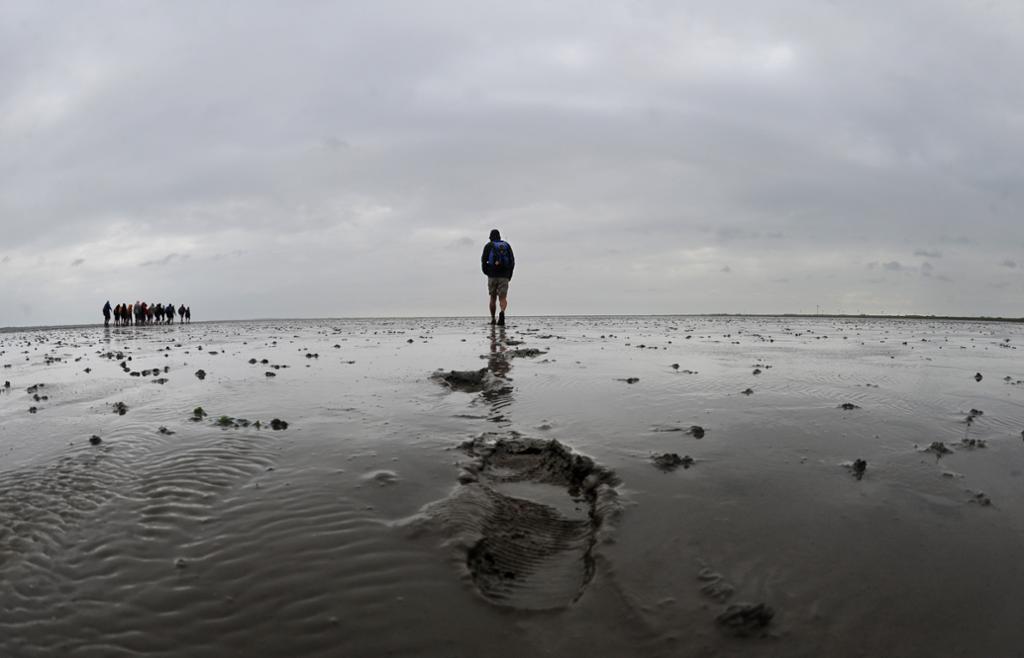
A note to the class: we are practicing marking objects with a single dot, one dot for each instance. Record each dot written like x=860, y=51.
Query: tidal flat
x=605, y=486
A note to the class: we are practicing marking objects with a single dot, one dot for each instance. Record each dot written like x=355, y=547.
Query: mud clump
x=745, y=619
x=198, y=414
x=278, y=424
x=120, y=408
x=858, y=468
x=95, y=440
x=978, y=377
x=468, y=381
x=629, y=380
x=980, y=498
x=938, y=448
x=973, y=443
x=747, y=391
x=524, y=353
x=696, y=431
x=848, y=406
x=670, y=461
x=201, y=374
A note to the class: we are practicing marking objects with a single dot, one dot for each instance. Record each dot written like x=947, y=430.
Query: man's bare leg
x=501, y=316
x=494, y=306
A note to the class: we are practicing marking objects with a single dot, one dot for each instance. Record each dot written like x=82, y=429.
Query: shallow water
x=323, y=539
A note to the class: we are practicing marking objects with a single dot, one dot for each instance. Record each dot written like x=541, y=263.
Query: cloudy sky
x=314, y=158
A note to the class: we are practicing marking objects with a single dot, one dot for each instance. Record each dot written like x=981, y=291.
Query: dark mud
x=468, y=381
x=745, y=619
x=858, y=468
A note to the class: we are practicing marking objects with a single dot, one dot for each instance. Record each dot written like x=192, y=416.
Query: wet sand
x=445, y=488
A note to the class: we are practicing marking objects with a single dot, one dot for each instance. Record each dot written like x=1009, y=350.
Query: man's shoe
x=501, y=319
x=492, y=321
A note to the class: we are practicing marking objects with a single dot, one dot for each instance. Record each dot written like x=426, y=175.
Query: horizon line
x=866, y=316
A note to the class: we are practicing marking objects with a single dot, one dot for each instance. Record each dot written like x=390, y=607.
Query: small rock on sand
x=744, y=619
x=979, y=498
x=670, y=461
x=747, y=391
x=382, y=478
x=696, y=431
x=858, y=468
x=848, y=406
x=201, y=374
x=278, y=424
x=939, y=448
x=978, y=377
x=95, y=440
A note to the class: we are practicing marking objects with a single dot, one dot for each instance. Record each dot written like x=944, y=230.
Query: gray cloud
x=291, y=153
x=726, y=269
x=166, y=260
x=77, y=262
x=1010, y=263
x=955, y=240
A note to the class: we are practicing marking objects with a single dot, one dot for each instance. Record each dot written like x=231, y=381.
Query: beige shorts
x=497, y=286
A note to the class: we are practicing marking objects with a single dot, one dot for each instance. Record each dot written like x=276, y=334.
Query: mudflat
x=607, y=486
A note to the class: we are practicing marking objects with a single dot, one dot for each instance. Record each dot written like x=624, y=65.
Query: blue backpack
x=500, y=256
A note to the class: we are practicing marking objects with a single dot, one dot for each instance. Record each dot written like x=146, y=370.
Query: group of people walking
x=141, y=313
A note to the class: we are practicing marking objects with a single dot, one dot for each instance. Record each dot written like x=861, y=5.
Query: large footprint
x=528, y=514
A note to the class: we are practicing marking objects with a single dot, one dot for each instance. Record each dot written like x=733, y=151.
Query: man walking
x=497, y=263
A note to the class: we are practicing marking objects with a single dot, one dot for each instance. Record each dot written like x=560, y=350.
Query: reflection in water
x=498, y=363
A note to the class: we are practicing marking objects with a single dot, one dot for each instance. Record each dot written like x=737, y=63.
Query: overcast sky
x=313, y=159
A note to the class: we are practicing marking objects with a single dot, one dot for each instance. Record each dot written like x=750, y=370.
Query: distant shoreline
x=797, y=316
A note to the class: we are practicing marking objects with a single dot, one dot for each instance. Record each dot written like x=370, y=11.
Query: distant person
x=158, y=311
x=170, y=314
x=497, y=263
x=106, y=314
x=181, y=314
x=188, y=314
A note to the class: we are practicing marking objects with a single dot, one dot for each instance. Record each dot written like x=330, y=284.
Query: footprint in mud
x=528, y=515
